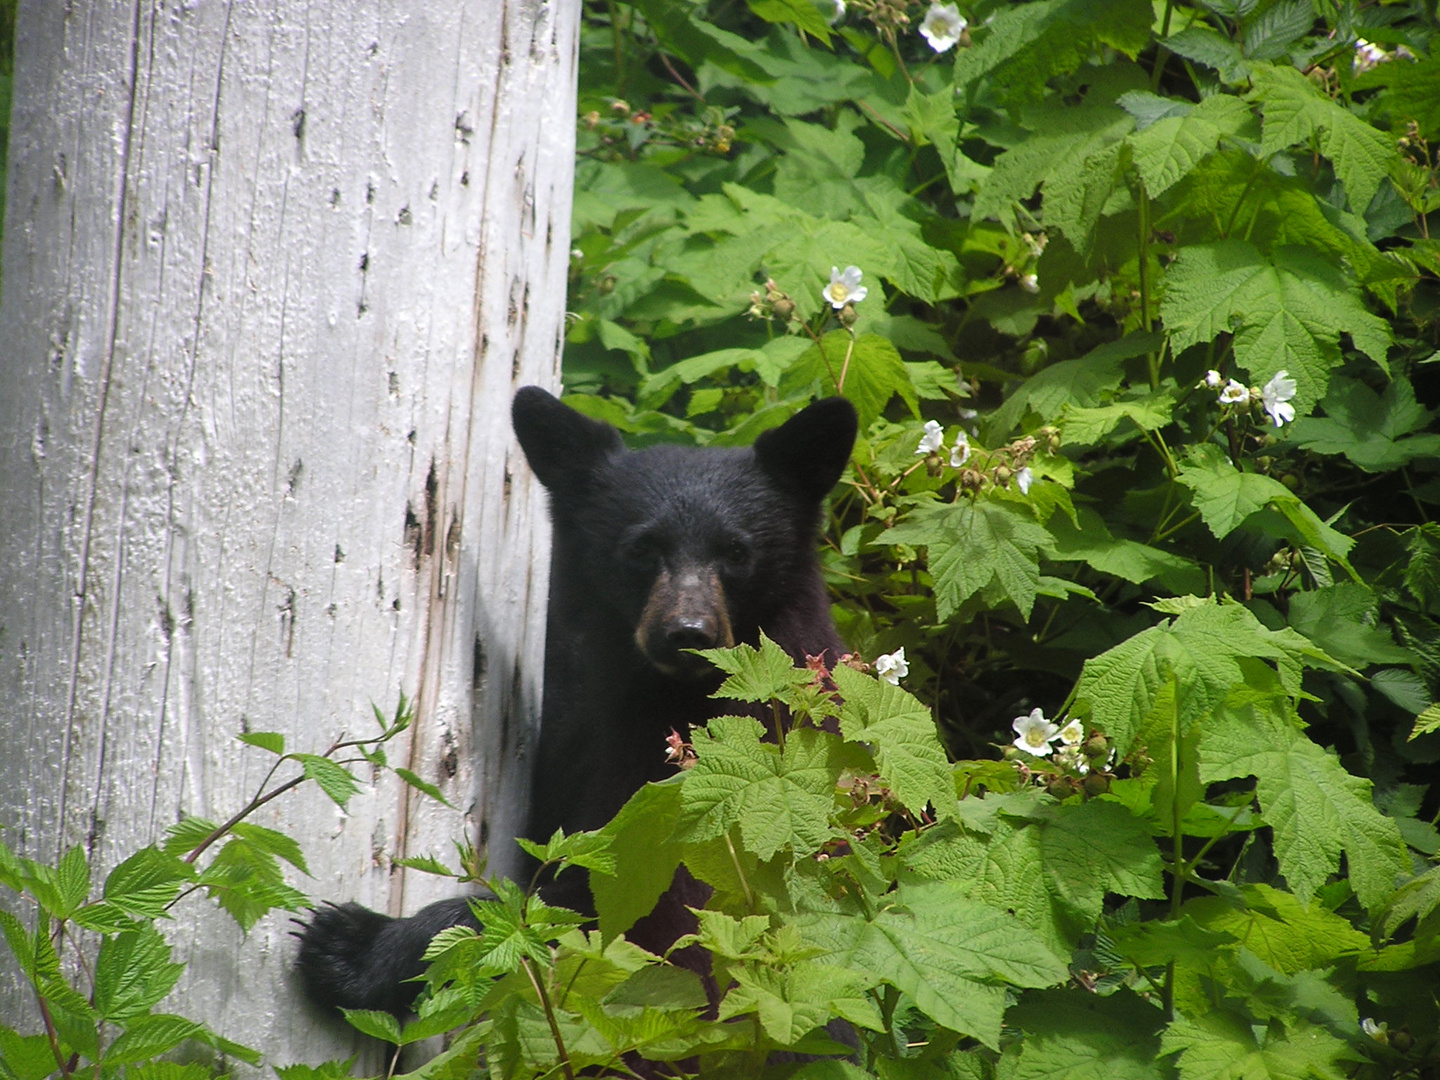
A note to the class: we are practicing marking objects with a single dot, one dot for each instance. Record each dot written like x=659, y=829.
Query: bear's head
x=682, y=547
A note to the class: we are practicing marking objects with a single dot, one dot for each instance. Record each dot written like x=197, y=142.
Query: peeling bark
x=271, y=275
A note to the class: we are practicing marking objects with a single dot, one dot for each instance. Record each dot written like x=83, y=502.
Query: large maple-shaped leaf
x=1287, y=311
x=1316, y=808
x=1167, y=150
x=973, y=544
x=951, y=954
x=1377, y=432
x=1027, y=43
x=1204, y=648
x=901, y=734
x=778, y=798
x=1297, y=111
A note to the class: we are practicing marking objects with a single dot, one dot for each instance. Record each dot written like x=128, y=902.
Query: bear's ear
x=807, y=453
x=558, y=442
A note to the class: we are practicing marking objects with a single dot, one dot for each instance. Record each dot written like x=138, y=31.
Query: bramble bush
x=1138, y=304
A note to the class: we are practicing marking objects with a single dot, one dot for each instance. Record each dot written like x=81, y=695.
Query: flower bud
x=1003, y=474
x=848, y=316
x=1096, y=747
x=971, y=480
x=783, y=308
x=1096, y=783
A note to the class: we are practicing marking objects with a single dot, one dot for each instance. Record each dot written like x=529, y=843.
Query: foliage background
x=1223, y=861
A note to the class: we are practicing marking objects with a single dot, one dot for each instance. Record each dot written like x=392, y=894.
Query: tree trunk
x=272, y=272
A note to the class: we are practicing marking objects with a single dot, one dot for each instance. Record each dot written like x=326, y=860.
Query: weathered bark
x=271, y=274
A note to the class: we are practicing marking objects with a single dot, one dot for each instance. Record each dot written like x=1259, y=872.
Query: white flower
x=1275, y=394
x=1212, y=379
x=943, y=26
x=1379, y=1032
x=1072, y=733
x=1033, y=733
x=1367, y=56
x=844, y=288
x=1234, y=394
x=1023, y=479
x=1030, y=283
x=933, y=441
x=892, y=666
x=960, y=452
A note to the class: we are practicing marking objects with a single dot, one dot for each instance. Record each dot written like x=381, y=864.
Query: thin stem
x=740, y=873
x=529, y=966
x=845, y=364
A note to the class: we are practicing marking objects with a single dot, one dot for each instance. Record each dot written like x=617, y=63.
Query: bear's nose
x=693, y=632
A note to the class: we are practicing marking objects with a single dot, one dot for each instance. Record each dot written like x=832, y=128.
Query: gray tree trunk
x=272, y=272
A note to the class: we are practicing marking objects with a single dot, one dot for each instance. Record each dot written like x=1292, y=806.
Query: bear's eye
x=643, y=551
x=735, y=552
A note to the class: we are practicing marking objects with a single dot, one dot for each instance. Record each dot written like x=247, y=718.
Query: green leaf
x=869, y=368
x=946, y=951
x=764, y=674
x=1287, y=312
x=25, y=1057
x=1226, y=497
x=1028, y=43
x=1205, y=648
x=1427, y=722
x=645, y=857
x=900, y=733
x=187, y=834
x=333, y=779
x=1317, y=810
x=1220, y=1046
x=275, y=843
x=1373, y=431
x=1087, y=427
x=974, y=544
x=133, y=972
x=1078, y=1035
x=1166, y=151
x=1296, y=112
x=1098, y=847
x=804, y=14
x=778, y=798
x=1342, y=620
x=1156, y=943
x=376, y=1024
x=1091, y=542
x=423, y=785
x=149, y=1036
x=272, y=741
x=1081, y=383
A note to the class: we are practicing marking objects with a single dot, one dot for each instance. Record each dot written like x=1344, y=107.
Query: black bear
x=656, y=552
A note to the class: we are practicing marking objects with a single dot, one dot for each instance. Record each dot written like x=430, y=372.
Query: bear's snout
x=686, y=609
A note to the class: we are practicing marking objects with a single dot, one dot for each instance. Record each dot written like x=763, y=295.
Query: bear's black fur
x=655, y=551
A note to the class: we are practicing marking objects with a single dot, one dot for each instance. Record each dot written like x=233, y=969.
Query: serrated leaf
x=276, y=843
x=973, y=544
x=900, y=733
x=1427, y=722
x=25, y=1057
x=1287, y=311
x=133, y=972
x=333, y=779
x=1165, y=152
x=1077, y=1035
x=1296, y=111
x=1098, y=847
x=778, y=798
x=187, y=834
x=1220, y=1046
x=373, y=1022
x=149, y=1036
x=1205, y=648
x=766, y=673
x=944, y=950
x=1377, y=432
x=1028, y=43
x=1087, y=426
x=867, y=366
x=425, y=786
x=1317, y=810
